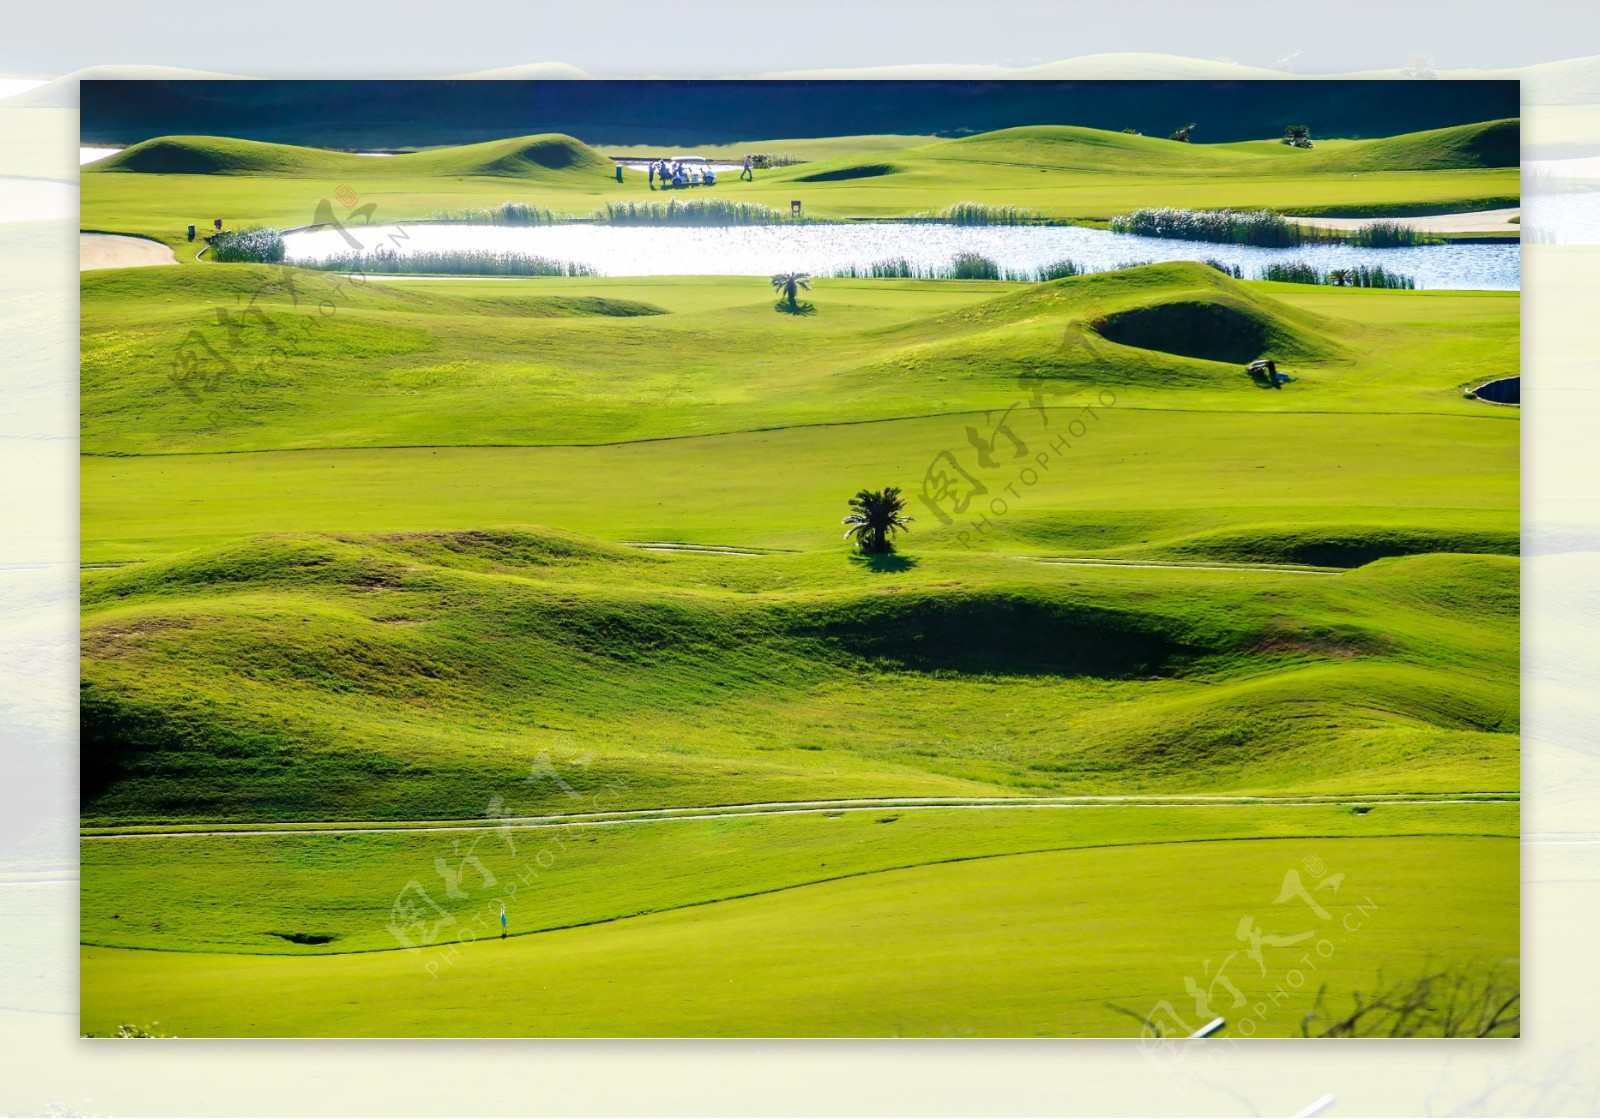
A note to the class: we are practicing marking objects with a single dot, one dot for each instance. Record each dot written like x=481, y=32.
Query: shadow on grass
x=886, y=563
x=784, y=307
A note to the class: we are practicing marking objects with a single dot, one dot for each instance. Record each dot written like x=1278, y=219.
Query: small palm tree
x=788, y=285
x=876, y=514
x=1340, y=276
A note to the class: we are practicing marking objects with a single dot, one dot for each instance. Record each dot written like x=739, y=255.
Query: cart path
x=823, y=807
x=1057, y=561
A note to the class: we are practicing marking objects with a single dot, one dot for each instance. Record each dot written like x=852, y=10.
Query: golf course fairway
x=415, y=604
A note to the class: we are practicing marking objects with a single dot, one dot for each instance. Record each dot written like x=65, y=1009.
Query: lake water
x=1570, y=217
x=823, y=249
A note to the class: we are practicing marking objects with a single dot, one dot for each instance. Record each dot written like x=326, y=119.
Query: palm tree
x=877, y=514
x=1340, y=276
x=788, y=284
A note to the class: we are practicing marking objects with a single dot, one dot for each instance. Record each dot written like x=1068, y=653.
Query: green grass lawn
x=372, y=553
x=1041, y=944
x=254, y=893
x=413, y=675
x=160, y=186
x=240, y=358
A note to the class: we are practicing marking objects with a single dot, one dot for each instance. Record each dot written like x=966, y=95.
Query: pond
x=824, y=249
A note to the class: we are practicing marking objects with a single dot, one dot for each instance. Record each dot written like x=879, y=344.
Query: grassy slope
x=1060, y=171
x=414, y=675
x=911, y=952
x=419, y=674
x=318, y=362
x=252, y=894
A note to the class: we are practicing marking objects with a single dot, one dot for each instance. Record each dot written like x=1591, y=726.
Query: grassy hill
x=157, y=187
x=431, y=554
x=542, y=362
x=407, y=675
x=547, y=158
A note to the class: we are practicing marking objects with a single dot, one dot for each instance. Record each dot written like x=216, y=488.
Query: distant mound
x=211, y=155
x=523, y=156
x=545, y=157
x=1495, y=143
x=1178, y=307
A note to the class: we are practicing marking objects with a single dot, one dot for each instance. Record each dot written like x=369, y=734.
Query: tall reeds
x=698, y=211
x=477, y=262
x=507, y=213
x=1231, y=227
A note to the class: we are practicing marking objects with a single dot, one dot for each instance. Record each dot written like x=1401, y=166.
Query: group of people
x=676, y=174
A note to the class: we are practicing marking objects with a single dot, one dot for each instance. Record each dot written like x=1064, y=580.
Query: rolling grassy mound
x=550, y=157
x=1055, y=171
x=318, y=362
x=317, y=677
x=1491, y=144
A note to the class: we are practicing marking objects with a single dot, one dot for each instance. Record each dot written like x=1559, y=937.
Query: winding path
x=789, y=808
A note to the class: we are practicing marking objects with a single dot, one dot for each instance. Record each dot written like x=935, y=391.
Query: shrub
x=256, y=245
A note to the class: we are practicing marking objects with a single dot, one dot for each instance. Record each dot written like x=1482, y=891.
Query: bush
x=256, y=245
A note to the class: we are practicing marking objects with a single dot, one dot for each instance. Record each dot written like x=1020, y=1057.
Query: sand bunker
x=112, y=250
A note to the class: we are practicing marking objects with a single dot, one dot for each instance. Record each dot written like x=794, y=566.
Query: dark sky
x=390, y=114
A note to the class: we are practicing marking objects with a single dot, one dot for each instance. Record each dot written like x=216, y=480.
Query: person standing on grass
x=749, y=173
x=502, y=920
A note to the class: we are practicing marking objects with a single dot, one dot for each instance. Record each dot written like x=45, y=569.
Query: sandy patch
x=111, y=250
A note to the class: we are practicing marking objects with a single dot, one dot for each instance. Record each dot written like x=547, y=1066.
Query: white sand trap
x=1479, y=221
x=112, y=250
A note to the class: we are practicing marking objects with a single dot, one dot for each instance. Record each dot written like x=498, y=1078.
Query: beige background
x=46, y=1069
